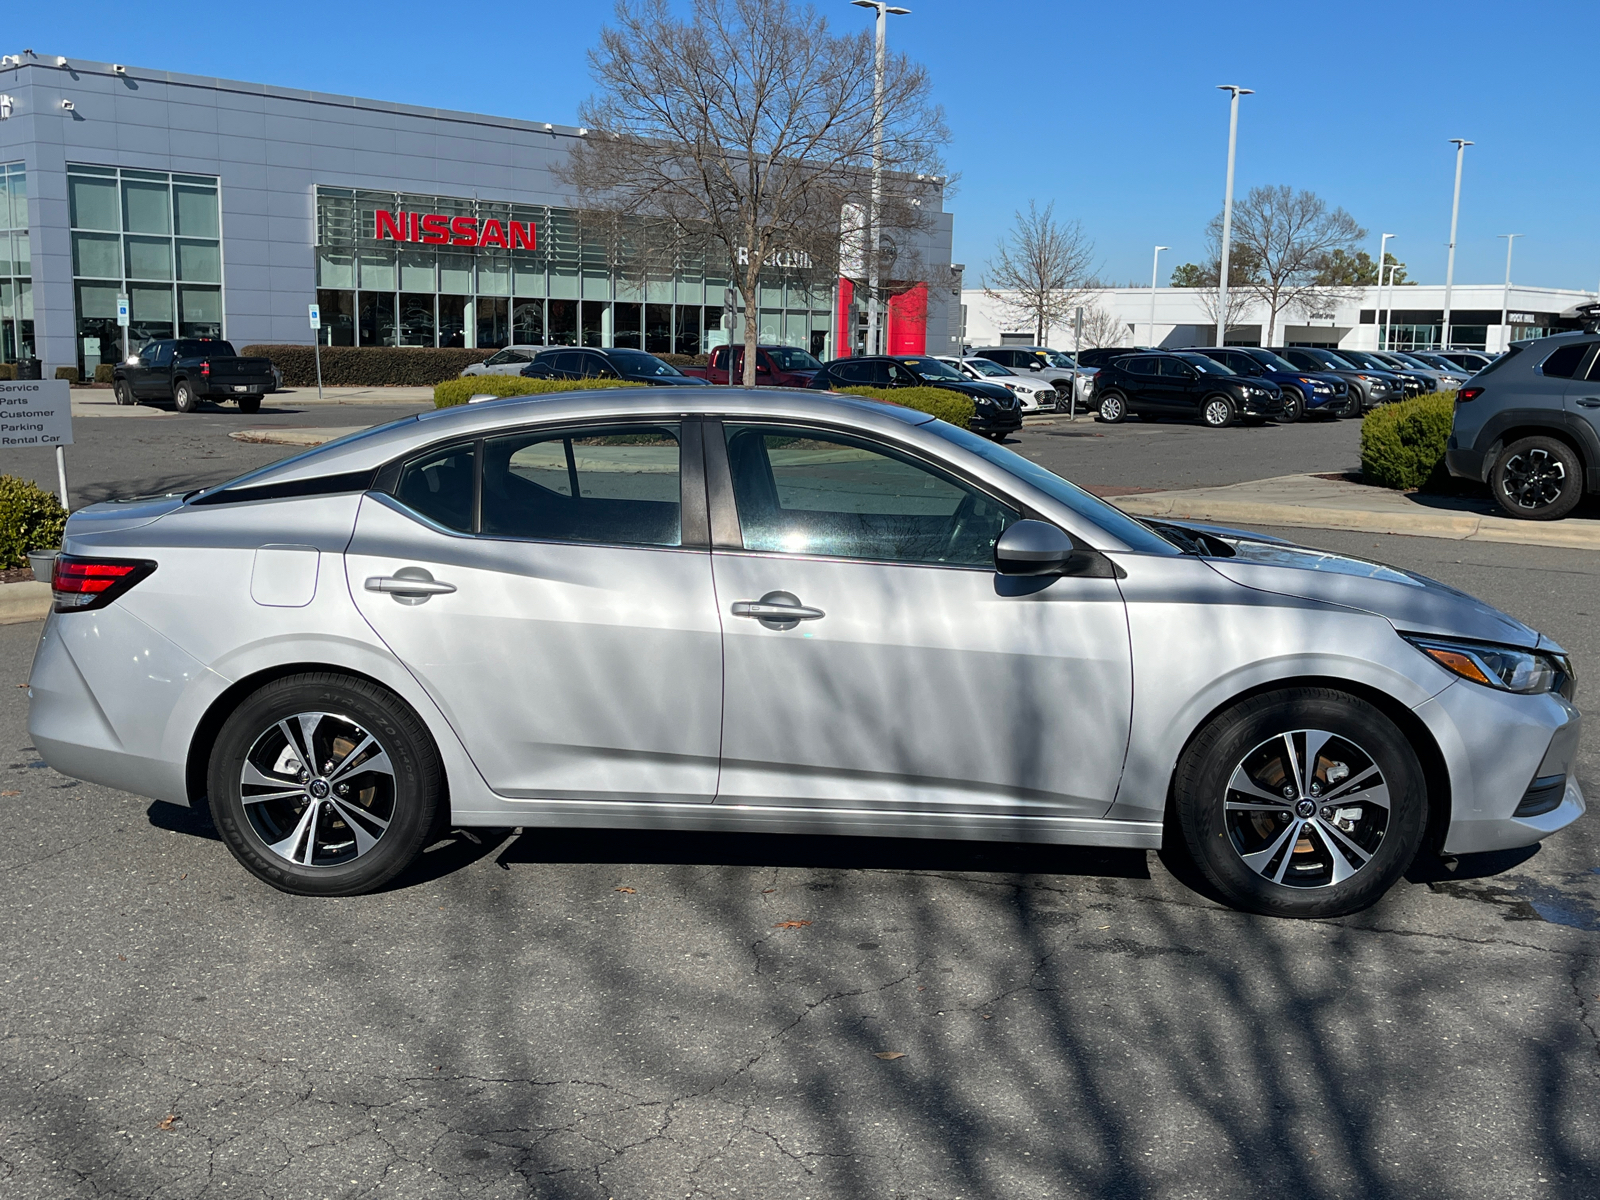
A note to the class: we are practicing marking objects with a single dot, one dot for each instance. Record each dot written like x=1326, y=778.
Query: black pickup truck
x=188, y=370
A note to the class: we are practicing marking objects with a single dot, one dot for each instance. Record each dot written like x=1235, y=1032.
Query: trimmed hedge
x=1402, y=445
x=367, y=366
x=104, y=373
x=30, y=519
x=458, y=391
x=8, y=371
x=686, y=360
x=939, y=402
x=70, y=374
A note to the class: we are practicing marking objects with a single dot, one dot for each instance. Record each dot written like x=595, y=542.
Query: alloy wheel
x=318, y=789
x=1534, y=479
x=1306, y=809
x=1218, y=412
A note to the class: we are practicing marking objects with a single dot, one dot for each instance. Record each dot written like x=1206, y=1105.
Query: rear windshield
x=204, y=349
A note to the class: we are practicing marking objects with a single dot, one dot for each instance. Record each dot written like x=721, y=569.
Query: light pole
x=883, y=10
x=1154, y=265
x=1227, y=208
x=1450, y=266
x=1388, y=319
x=1383, y=253
x=1505, y=296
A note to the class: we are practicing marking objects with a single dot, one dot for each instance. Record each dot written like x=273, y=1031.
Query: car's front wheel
x=1537, y=479
x=324, y=785
x=122, y=392
x=1305, y=802
x=1113, y=408
x=1294, y=406
x=1351, y=408
x=1218, y=412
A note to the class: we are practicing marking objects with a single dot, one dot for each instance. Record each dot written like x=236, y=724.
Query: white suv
x=509, y=361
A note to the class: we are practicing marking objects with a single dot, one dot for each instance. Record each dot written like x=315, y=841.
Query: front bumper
x=1262, y=406
x=1004, y=420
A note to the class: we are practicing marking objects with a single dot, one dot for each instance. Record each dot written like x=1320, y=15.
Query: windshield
x=982, y=366
x=1133, y=534
x=1362, y=359
x=1323, y=359
x=1272, y=362
x=1058, y=358
x=931, y=368
x=1411, y=360
x=790, y=359
x=1209, y=365
x=1439, y=361
x=636, y=364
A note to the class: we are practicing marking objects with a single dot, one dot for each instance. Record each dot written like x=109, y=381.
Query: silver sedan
x=777, y=611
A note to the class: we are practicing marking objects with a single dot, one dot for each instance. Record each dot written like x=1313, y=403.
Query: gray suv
x=1528, y=425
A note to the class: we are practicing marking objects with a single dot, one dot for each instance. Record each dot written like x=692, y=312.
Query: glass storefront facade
x=16, y=275
x=567, y=291
x=154, y=237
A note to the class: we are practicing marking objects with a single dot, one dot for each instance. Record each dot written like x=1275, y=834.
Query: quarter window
x=619, y=486
x=800, y=491
x=439, y=486
x=1563, y=363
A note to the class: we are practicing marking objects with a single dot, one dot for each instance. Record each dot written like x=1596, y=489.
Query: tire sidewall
x=1119, y=408
x=398, y=731
x=1207, y=765
x=1205, y=411
x=1571, y=493
x=183, y=398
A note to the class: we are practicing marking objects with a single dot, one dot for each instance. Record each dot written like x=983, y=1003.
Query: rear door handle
x=409, y=585
x=1589, y=402
x=777, y=610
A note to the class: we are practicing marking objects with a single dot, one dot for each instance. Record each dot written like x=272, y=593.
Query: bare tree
x=1100, y=328
x=1289, y=238
x=742, y=132
x=1040, y=269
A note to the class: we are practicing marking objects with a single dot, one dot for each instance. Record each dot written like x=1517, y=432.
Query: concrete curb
x=1466, y=527
x=26, y=601
x=293, y=437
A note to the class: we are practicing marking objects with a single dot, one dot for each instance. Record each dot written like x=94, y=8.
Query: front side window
x=801, y=491
x=617, y=486
x=853, y=372
x=1175, y=369
x=500, y=359
x=1141, y=366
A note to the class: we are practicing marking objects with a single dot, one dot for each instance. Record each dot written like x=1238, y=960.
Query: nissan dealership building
x=224, y=209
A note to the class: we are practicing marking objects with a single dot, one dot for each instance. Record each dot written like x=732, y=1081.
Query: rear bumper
x=1465, y=464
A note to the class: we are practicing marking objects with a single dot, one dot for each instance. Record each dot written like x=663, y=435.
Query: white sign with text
x=35, y=413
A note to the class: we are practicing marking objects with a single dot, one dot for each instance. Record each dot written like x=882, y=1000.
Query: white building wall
x=1181, y=318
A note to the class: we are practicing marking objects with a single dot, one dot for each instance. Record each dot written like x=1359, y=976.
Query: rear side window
x=439, y=486
x=617, y=486
x=1564, y=362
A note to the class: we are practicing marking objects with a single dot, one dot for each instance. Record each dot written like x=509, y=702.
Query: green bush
x=8, y=371
x=104, y=373
x=367, y=366
x=685, y=360
x=70, y=374
x=939, y=402
x=1402, y=445
x=458, y=391
x=30, y=519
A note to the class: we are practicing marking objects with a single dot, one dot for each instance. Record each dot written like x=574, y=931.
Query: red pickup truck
x=776, y=366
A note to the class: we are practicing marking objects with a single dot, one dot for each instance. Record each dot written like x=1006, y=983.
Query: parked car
x=1471, y=361
x=1303, y=391
x=1438, y=380
x=997, y=411
x=1403, y=383
x=508, y=361
x=1099, y=356
x=1528, y=425
x=485, y=618
x=1037, y=395
x=1188, y=385
x=567, y=362
x=1414, y=379
x=1368, y=387
x=1037, y=362
x=776, y=366
x=189, y=370
x=1443, y=362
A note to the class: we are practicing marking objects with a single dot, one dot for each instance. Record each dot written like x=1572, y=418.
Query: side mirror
x=1033, y=548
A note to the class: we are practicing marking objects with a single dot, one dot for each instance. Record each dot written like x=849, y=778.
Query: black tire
x=183, y=397
x=1112, y=408
x=1218, y=839
x=122, y=392
x=1294, y=407
x=1537, y=479
x=1218, y=411
x=249, y=404
x=1352, y=406
x=407, y=790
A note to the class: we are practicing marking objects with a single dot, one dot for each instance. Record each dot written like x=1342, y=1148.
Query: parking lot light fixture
x=1505, y=296
x=1450, y=266
x=1383, y=253
x=1153, y=268
x=883, y=10
x=1227, y=208
x=1388, y=316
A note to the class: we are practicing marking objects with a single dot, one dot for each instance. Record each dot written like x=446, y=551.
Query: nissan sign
x=439, y=229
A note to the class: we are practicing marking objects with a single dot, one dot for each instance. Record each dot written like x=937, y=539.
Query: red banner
x=437, y=229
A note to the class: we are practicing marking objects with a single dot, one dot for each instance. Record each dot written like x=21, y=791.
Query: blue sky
x=1107, y=110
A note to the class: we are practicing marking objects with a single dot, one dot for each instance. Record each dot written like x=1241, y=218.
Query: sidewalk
x=99, y=402
x=1312, y=502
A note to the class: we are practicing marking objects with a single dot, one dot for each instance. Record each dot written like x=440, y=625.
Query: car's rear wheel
x=1537, y=479
x=324, y=785
x=1305, y=802
x=1113, y=408
x=1218, y=411
x=183, y=397
x=249, y=404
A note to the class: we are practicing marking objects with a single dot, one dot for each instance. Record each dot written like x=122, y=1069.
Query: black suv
x=1528, y=425
x=1101, y=355
x=574, y=363
x=1182, y=385
x=996, y=410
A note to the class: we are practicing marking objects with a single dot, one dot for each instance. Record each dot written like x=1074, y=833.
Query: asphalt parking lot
x=596, y=1015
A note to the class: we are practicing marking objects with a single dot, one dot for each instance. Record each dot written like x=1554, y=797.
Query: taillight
x=1466, y=394
x=81, y=583
x=205, y=368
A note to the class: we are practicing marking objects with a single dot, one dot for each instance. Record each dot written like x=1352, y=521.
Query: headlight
x=1322, y=388
x=1010, y=387
x=1504, y=667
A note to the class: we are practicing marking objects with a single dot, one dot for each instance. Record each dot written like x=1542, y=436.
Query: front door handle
x=409, y=585
x=1589, y=402
x=777, y=610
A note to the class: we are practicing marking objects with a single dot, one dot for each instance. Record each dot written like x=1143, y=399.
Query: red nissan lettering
x=523, y=235
x=465, y=230
x=435, y=232
x=492, y=235
x=387, y=225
